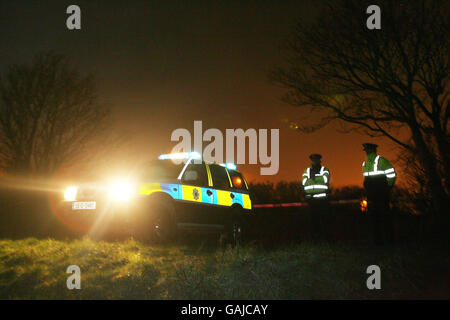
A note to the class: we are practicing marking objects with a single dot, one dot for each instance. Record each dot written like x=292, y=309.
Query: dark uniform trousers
x=379, y=213
x=319, y=212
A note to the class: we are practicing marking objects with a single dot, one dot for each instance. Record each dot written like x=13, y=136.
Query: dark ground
x=278, y=259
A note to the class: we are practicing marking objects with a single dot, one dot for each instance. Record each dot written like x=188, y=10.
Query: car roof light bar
x=230, y=166
x=180, y=155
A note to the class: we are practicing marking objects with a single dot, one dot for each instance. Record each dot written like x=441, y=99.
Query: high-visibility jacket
x=376, y=166
x=316, y=184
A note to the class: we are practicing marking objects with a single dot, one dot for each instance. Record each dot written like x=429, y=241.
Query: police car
x=175, y=192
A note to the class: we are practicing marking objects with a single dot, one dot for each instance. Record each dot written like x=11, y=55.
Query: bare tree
x=392, y=82
x=49, y=115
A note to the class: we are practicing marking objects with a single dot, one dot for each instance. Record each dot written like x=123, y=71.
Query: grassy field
x=36, y=269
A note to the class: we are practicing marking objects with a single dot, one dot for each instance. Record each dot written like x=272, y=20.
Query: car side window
x=238, y=180
x=219, y=177
x=195, y=174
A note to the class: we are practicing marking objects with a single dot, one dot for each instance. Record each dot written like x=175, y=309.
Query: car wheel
x=235, y=228
x=155, y=222
x=162, y=226
x=236, y=234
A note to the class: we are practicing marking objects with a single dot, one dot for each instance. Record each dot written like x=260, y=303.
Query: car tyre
x=235, y=228
x=162, y=226
x=156, y=222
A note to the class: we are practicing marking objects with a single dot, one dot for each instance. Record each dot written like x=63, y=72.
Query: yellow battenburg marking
x=149, y=188
x=208, y=171
x=223, y=198
x=247, y=201
x=229, y=179
x=246, y=185
x=188, y=193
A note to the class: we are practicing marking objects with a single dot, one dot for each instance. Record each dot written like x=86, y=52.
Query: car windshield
x=161, y=170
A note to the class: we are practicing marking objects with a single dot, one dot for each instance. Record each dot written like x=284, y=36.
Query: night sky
x=163, y=64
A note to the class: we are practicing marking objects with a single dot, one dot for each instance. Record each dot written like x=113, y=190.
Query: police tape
x=302, y=204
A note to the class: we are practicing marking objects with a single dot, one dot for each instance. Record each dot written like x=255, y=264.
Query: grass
x=36, y=269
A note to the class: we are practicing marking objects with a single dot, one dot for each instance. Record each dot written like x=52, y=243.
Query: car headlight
x=70, y=194
x=121, y=191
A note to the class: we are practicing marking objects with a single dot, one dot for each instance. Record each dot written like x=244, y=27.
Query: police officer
x=315, y=181
x=379, y=178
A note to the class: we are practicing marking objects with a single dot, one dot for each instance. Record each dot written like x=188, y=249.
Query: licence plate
x=85, y=205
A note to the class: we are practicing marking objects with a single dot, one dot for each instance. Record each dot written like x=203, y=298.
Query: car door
x=223, y=194
x=240, y=189
x=194, y=194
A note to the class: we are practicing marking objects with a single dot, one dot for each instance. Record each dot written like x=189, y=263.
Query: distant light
x=70, y=194
x=181, y=155
x=364, y=205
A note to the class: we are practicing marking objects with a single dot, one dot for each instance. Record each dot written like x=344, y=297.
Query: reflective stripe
x=247, y=203
x=198, y=194
x=320, y=195
x=245, y=182
x=223, y=198
x=191, y=193
x=373, y=173
x=238, y=198
x=209, y=176
x=376, y=173
x=375, y=166
x=147, y=188
x=208, y=198
x=316, y=186
x=229, y=179
x=390, y=173
x=322, y=171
